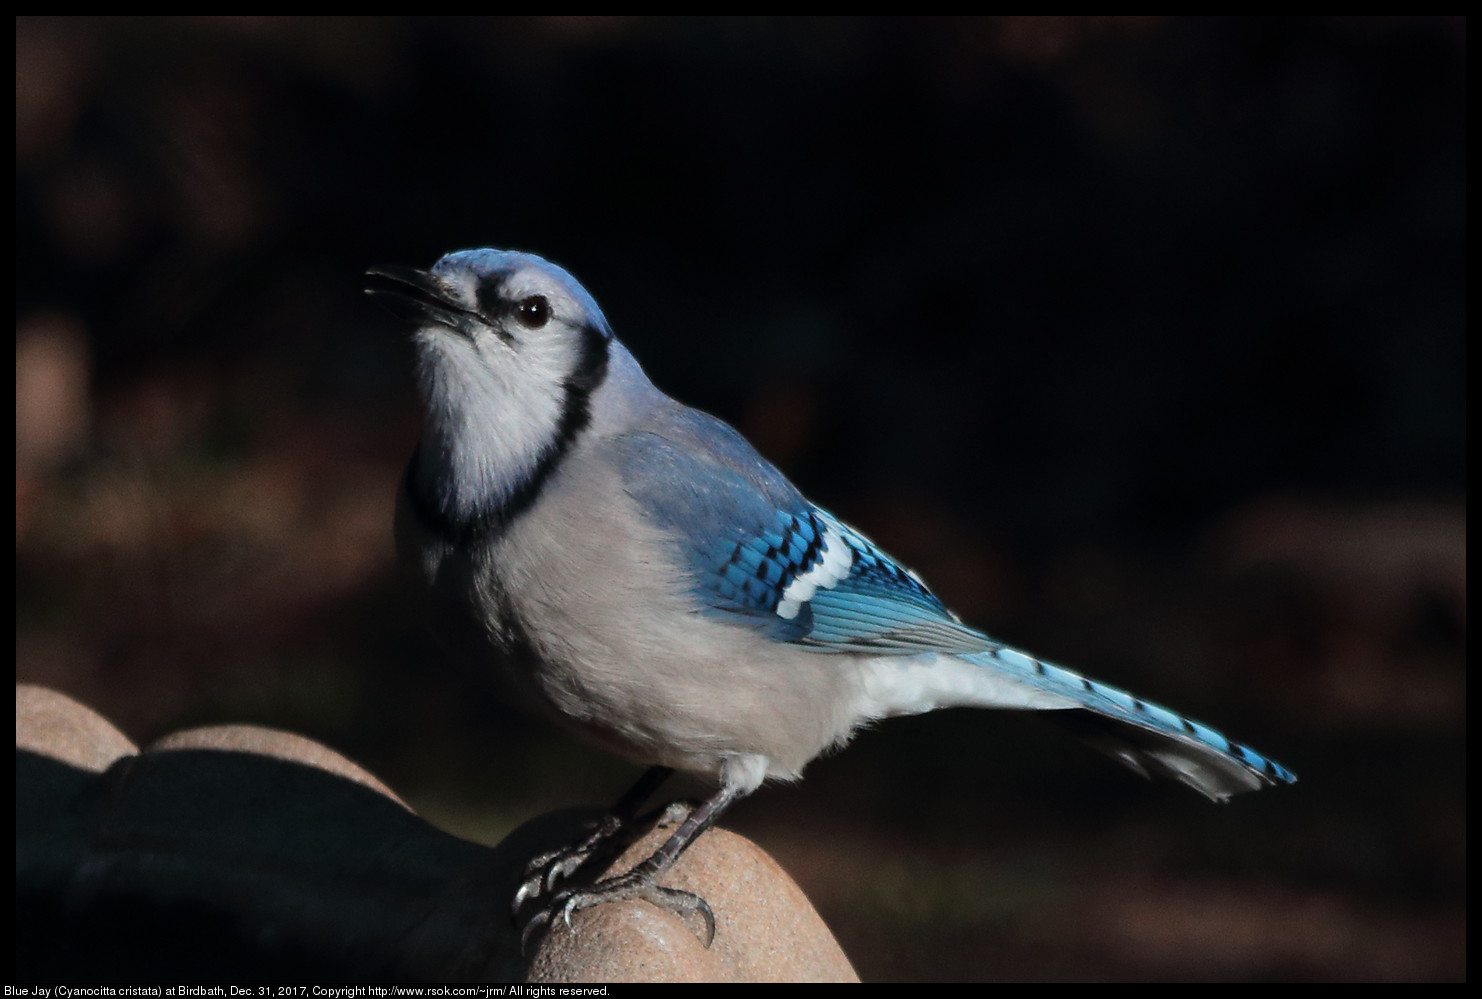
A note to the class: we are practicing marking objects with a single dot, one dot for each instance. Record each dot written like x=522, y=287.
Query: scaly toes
x=688, y=907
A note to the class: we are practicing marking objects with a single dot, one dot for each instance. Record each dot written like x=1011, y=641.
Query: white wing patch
x=832, y=569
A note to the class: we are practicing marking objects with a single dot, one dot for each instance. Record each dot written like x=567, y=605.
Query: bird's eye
x=533, y=312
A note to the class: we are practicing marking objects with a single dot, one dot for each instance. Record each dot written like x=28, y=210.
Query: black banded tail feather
x=1141, y=734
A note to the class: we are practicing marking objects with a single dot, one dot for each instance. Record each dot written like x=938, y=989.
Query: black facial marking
x=490, y=296
x=591, y=369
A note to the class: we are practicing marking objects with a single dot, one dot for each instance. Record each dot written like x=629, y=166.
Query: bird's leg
x=642, y=880
x=546, y=870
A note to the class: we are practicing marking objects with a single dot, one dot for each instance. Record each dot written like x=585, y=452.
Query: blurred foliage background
x=1141, y=339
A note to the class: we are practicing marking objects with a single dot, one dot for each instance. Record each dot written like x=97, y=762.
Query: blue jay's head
x=509, y=351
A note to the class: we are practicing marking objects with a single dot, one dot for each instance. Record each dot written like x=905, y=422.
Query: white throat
x=490, y=420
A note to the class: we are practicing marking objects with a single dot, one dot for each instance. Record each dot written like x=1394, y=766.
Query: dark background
x=1140, y=339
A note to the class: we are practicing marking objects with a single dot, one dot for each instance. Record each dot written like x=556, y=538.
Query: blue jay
x=634, y=570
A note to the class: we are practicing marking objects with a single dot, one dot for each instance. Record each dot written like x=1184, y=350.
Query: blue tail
x=1145, y=736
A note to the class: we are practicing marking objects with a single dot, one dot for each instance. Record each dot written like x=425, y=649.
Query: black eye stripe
x=493, y=303
x=489, y=300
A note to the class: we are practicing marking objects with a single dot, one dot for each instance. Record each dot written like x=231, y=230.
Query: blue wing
x=762, y=555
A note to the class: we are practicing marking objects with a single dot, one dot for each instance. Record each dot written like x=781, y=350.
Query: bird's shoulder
x=758, y=551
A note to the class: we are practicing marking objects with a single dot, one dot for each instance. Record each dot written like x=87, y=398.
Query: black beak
x=414, y=296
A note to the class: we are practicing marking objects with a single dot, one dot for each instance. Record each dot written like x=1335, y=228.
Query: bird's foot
x=546, y=870
x=639, y=883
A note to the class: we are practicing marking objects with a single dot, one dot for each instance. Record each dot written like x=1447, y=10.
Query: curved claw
x=567, y=910
x=564, y=867
x=537, y=921
x=540, y=877
x=529, y=888
x=688, y=907
x=522, y=893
